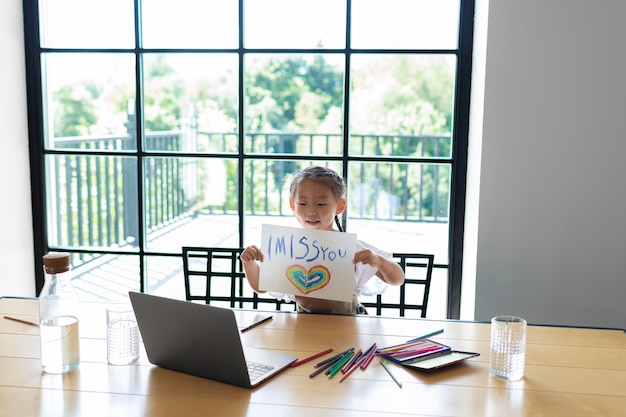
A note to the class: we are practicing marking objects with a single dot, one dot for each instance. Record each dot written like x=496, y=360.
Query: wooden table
x=569, y=372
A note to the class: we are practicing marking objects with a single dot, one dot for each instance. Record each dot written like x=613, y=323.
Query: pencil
x=30, y=323
x=310, y=358
x=333, y=358
x=253, y=325
x=324, y=367
x=353, y=368
x=339, y=364
x=401, y=346
x=369, y=358
x=355, y=357
x=426, y=335
x=384, y=364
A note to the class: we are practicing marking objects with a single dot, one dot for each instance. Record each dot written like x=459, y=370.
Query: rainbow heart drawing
x=305, y=281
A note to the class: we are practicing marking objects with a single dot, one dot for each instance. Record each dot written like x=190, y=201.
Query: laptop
x=202, y=340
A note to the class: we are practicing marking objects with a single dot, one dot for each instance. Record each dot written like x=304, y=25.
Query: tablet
x=439, y=361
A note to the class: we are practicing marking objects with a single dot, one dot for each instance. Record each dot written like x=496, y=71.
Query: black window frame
x=458, y=162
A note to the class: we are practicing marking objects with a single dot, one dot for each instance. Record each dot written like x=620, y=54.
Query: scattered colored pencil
x=333, y=358
x=356, y=365
x=369, y=357
x=384, y=364
x=323, y=368
x=310, y=358
x=334, y=369
x=348, y=364
x=253, y=325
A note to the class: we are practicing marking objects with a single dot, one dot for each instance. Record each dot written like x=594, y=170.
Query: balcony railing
x=93, y=200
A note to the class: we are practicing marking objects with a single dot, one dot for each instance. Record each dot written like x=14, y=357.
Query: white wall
x=16, y=232
x=552, y=209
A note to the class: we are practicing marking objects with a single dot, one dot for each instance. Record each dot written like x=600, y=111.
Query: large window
x=159, y=124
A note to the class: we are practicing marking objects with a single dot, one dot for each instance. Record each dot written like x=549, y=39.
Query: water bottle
x=58, y=316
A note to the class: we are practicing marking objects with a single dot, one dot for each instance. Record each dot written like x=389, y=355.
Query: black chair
x=413, y=293
x=215, y=276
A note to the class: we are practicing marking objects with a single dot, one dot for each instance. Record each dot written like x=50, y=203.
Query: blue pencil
x=426, y=336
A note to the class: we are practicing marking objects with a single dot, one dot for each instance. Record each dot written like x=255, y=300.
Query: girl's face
x=315, y=205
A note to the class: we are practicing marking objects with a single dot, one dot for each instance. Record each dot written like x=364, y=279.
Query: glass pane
x=190, y=24
x=294, y=104
x=105, y=278
x=92, y=201
x=294, y=24
x=395, y=206
x=190, y=202
x=405, y=24
x=402, y=105
x=437, y=298
x=87, y=23
x=164, y=276
x=191, y=103
x=86, y=101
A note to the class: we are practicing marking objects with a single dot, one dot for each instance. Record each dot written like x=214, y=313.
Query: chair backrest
x=215, y=275
x=413, y=293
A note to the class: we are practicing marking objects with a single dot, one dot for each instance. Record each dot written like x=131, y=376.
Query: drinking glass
x=122, y=335
x=508, y=347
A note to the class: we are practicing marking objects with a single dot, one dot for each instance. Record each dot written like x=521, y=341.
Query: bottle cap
x=55, y=262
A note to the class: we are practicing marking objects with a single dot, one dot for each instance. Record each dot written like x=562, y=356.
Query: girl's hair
x=319, y=173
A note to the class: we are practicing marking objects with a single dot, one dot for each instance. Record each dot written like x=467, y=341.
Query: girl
x=317, y=197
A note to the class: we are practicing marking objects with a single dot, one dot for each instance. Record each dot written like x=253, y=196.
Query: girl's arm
x=249, y=258
x=388, y=270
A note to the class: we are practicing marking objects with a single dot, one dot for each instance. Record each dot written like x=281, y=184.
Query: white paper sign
x=308, y=263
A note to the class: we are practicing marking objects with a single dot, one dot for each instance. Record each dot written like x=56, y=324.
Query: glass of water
x=122, y=335
x=508, y=347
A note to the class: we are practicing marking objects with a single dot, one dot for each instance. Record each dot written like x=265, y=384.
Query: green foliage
x=75, y=112
x=396, y=100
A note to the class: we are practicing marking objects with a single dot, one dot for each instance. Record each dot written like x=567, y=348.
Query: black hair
x=333, y=179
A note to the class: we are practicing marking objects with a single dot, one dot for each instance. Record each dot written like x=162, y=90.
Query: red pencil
x=310, y=358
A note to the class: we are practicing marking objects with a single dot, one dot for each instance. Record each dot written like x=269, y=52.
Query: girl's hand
x=251, y=253
x=367, y=257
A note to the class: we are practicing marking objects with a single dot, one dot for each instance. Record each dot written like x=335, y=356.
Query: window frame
x=458, y=161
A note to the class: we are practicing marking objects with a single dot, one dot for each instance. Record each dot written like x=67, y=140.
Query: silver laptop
x=202, y=340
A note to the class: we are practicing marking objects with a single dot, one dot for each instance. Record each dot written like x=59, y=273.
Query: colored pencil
x=333, y=358
x=369, y=358
x=384, y=364
x=323, y=368
x=310, y=358
x=253, y=325
x=356, y=365
x=348, y=364
x=334, y=369
x=30, y=323
x=426, y=335
x=401, y=346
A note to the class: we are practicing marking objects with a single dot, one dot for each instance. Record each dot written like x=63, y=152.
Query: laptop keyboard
x=256, y=370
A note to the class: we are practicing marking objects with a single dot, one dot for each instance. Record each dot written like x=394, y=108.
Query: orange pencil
x=356, y=365
x=355, y=357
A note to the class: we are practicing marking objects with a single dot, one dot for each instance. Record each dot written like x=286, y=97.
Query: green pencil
x=340, y=364
x=384, y=364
